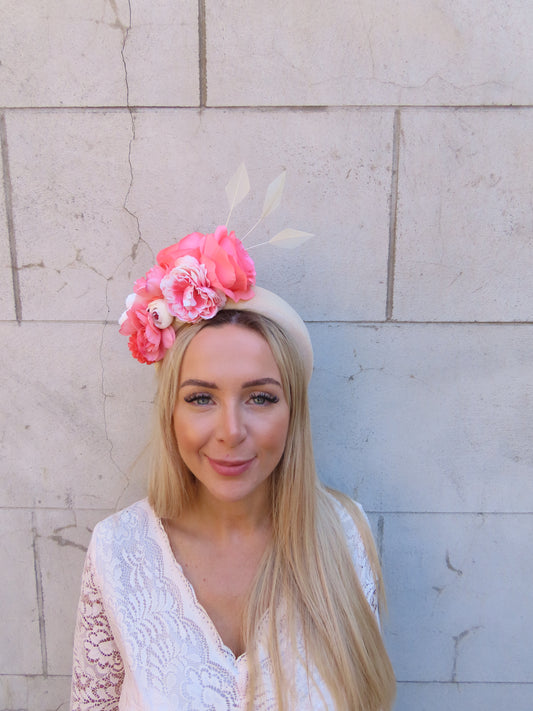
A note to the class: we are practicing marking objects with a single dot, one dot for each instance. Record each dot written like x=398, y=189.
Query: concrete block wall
x=406, y=131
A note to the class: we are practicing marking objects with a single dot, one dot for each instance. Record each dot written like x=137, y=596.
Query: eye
x=263, y=398
x=199, y=399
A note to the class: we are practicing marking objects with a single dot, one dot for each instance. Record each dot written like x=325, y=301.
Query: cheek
x=187, y=437
x=278, y=434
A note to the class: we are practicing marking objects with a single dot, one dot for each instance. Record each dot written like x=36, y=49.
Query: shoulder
x=123, y=520
x=126, y=546
x=124, y=529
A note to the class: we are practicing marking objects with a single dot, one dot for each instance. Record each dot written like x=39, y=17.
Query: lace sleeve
x=98, y=671
x=359, y=556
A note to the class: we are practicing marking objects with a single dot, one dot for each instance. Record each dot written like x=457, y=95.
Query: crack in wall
x=457, y=641
x=125, y=29
x=202, y=54
x=104, y=417
x=8, y=198
x=40, y=595
x=458, y=571
x=61, y=541
x=125, y=35
x=391, y=265
x=380, y=535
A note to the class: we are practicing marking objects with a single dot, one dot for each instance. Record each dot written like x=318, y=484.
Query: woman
x=241, y=583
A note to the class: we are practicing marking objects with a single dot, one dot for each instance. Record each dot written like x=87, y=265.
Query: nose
x=231, y=429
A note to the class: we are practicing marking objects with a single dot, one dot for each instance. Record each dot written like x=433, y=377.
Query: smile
x=226, y=467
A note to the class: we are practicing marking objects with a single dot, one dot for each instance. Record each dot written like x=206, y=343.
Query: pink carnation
x=147, y=342
x=188, y=293
x=229, y=267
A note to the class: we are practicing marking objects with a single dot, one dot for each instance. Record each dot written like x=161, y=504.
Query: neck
x=226, y=519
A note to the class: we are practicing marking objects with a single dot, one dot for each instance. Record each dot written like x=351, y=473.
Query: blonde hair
x=308, y=566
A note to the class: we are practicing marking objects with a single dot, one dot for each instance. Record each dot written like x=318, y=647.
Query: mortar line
x=391, y=264
x=438, y=682
x=202, y=54
x=8, y=198
x=374, y=512
x=40, y=596
x=277, y=107
x=338, y=322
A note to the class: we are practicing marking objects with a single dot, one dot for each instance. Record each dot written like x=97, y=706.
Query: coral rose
x=188, y=293
x=229, y=267
x=147, y=342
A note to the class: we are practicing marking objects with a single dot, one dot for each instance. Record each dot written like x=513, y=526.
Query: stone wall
x=407, y=134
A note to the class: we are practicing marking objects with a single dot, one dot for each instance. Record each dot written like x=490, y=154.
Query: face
x=231, y=417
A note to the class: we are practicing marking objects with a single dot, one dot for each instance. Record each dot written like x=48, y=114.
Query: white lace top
x=143, y=642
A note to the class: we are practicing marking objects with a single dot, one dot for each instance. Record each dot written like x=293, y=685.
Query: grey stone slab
x=20, y=650
x=338, y=185
x=465, y=223
x=99, y=54
x=63, y=537
x=35, y=693
x=425, y=417
x=460, y=608
x=54, y=444
x=70, y=175
x=463, y=697
x=364, y=53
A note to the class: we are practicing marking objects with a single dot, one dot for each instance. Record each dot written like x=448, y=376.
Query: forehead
x=229, y=351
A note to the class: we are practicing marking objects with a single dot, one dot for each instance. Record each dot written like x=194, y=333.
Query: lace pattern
x=144, y=643
x=98, y=671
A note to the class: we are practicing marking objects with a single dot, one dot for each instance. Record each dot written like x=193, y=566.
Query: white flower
x=129, y=303
x=160, y=315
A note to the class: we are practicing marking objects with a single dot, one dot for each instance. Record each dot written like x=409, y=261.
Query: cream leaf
x=237, y=188
x=273, y=194
x=290, y=238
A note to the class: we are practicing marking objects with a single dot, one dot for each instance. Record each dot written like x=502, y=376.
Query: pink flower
x=147, y=342
x=229, y=267
x=148, y=286
x=188, y=293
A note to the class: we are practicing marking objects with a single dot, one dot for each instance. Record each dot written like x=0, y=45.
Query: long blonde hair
x=308, y=567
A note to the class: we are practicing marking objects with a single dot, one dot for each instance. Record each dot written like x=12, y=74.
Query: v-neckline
x=197, y=604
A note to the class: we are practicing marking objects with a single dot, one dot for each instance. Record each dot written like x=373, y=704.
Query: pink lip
x=227, y=467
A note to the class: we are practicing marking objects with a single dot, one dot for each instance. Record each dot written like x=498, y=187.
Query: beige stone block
x=425, y=417
x=71, y=175
x=55, y=444
x=20, y=651
x=161, y=53
x=460, y=607
x=63, y=537
x=465, y=223
x=423, y=52
x=98, y=54
x=338, y=185
x=129, y=388
x=58, y=54
x=35, y=693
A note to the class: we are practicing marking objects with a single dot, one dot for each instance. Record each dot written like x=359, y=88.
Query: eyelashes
x=198, y=398
x=261, y=398
x=258, y=398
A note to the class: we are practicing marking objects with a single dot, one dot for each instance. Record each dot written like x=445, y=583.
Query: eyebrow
x=199, y=384
x=213, y=386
